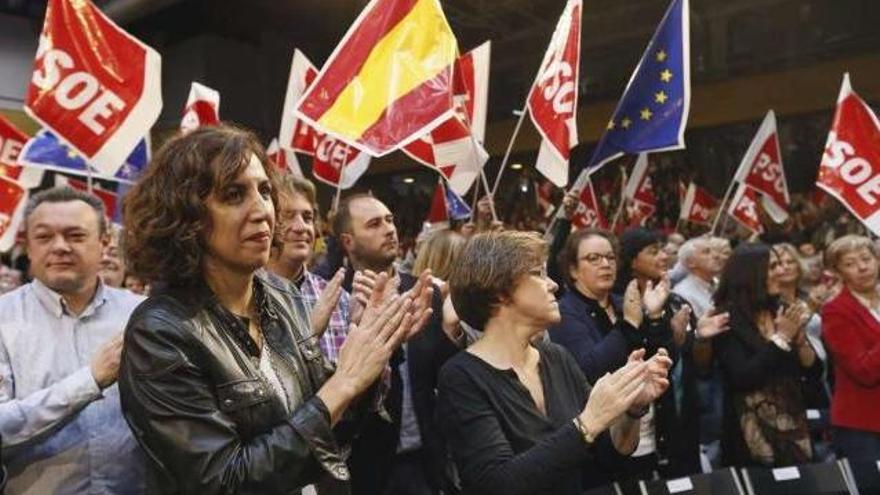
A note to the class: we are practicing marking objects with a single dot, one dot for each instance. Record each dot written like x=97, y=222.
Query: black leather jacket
x=202, y=411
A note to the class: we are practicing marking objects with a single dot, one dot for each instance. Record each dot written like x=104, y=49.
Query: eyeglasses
x=595, y=259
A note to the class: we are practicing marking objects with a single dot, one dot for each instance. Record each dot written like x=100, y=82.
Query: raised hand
x=786, y=324
x=657, y=380
x=679, y=324
x=632, y=304
x=712, y=324
x=368, y=346
x=612, y=395
x=655, y=296
x=326, y=303
x=421, y=293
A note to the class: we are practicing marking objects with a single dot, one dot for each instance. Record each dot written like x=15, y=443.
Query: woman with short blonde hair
x=851, y=327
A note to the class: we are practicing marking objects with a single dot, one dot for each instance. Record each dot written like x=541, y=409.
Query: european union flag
x=456, y=208
x=47, y=151
x=653, y=110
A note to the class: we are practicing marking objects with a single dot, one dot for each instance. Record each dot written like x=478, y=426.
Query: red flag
x=329, y=155
x=744, y=208
x=12, y=140
x=295, y=134
x=202, y=108
x=454, y=148
x=94, y=85
x=552, y=101
x=697, y=205
x=109, y=198
x=336, y=163
x=438, y=211
x=12, y=200
x=544, y=192
x=850, y=168
x=588, y=213
x=389, y=80
x=639, y=192
x=761, y=169
x=284, y=160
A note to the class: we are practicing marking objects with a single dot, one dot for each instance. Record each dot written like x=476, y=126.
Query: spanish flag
x=389, y=80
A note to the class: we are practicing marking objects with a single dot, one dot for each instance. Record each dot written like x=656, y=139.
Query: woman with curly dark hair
x=215, y=384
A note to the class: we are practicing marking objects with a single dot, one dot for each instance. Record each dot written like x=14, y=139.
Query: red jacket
x=852, y=335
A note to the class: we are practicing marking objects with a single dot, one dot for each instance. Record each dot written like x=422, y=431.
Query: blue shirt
x=61, y=433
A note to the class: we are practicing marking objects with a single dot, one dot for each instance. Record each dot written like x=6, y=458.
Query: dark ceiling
x=728, y=37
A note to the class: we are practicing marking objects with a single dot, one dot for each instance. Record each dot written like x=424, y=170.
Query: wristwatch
x=588, y=437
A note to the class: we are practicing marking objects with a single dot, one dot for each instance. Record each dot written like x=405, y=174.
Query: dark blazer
x=852, y=334
x=374, y=451
x=598, y=346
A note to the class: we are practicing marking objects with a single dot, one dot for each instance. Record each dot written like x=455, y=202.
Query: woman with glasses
x=596, y=327
x=518, y=414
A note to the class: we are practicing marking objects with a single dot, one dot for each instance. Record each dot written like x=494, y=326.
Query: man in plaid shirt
x=328, y=303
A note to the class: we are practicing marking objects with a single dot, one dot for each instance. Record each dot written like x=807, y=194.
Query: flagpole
x=89, y=178
x=722, y=205
x=339, y=180
x=623, y=180
x=522, y=116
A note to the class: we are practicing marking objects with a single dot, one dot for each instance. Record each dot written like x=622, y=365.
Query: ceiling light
x=516, y=166
x=408, y=180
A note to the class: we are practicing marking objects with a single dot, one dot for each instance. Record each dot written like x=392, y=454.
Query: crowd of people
x=209, y=347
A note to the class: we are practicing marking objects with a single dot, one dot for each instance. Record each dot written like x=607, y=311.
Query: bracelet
x=588, y=438
x=640, y=413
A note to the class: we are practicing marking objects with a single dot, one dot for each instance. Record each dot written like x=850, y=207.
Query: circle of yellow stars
x=660, y=97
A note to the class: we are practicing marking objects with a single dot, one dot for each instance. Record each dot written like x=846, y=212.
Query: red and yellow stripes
x=389, y=78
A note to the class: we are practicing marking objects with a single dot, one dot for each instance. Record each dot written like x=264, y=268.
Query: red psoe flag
x=639, y=191
x=697, y=205
x=12, y=200
x=202, y=108
x=12, y=140
x=389, y=80
x=454, y=148
x=283, y=159
x=761, y=169
x=744, y=208
x=552, y=101
x=93, y=84
x=337, y=164
x=588, y=213
x=295, y=134
x=850, y=168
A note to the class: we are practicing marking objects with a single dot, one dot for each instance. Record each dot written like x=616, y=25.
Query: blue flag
x=456, y=208
x=653, y=110
x=47, y=151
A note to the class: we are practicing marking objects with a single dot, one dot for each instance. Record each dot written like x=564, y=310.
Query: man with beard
x=401, y=452
x=60, y=346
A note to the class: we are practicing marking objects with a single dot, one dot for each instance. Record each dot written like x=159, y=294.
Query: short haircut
x=341, y=221
x=290, y=184
x=689, y=248
x=845, y=245
x=439, y=252
x=490, y=267
x=568, y=257
x=65, y=194
x=166, y=219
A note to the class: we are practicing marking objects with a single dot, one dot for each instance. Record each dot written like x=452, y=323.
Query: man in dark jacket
x=399, y=451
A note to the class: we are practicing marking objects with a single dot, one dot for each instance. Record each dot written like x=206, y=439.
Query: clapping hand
x=654, y=297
